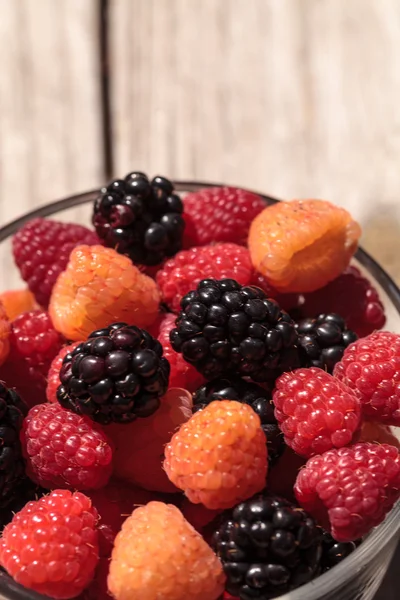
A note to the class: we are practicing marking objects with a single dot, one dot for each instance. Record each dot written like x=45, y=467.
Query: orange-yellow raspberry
x=158, y=555
x=5, y=331
x=300, y=246
x=17, y=302
x=100, y=287
x=219, y=457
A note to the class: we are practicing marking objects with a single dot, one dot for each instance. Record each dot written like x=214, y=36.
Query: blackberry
x=334, y=552
x=140, y=218
x=235, y=388
x=225, y=327
x=268, y=547
x=12, y=468
x=118, y=374
x=323, y=340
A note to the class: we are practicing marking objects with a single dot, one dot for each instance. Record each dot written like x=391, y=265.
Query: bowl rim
x=374, y=543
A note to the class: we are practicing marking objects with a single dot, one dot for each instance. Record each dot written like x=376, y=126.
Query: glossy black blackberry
x=118, y=374
x=140, y=218
x=225, y=327
x=268, y=547
x=235, y=388
x=12, y=469
x=334, y=552
x=323, y=340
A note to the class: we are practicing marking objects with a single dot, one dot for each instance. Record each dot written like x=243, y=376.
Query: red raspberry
x=183, y=374
x=219, y=214
x=41, y=251
x=34, y=343
x=154, y=328
x=63, y=449
x=353, y=297
x=158, y=555
x=282, y=475
x=53, y=377
x=115, y=502
x=51, y=545
x=219, y=457
x=371, y=367
x=198, y=515
x=139, y=450
x=185, y=270
x=98, y=589
x=350, y=490
x=315, y=411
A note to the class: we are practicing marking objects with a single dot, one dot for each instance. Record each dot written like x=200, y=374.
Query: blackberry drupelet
x=334, y=552
x=140, y=218
x=12, y=468
x=225, y=327
x=323, y=340
x=235, y=388
x=118, y=374
x=268, y=547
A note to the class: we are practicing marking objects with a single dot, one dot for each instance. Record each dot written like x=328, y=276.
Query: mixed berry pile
x=196, y=399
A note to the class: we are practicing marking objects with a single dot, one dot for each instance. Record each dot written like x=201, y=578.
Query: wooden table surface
x=296, y=98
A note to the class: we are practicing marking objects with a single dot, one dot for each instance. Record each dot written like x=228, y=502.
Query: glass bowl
x=358, y=577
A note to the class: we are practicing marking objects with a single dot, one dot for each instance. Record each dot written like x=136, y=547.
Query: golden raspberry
x=17, y=302
x=5, y=331
x=219, y=456
x=100, y=287
x=300, y=246
x=158, y=555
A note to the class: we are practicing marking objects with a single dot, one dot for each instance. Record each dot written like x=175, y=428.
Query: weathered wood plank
x=50, y=138
x=294, y=98
x=50, y=133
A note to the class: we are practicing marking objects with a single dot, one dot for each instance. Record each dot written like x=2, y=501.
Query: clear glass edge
x=381, y=536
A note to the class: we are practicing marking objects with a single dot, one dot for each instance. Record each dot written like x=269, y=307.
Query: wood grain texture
x=50, y=134
x=296, y=98
x=50, y=142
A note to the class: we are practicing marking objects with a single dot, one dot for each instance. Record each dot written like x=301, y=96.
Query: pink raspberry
x=315, y=411
x=183, y=374
x=41, y=251
x=353, y=297
x=51, y=545
x=371, y=368
x=185, y=270
x=350, y=490
x=65, y=450
x=33, y=344
x=53, y=377
x=219, y=214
